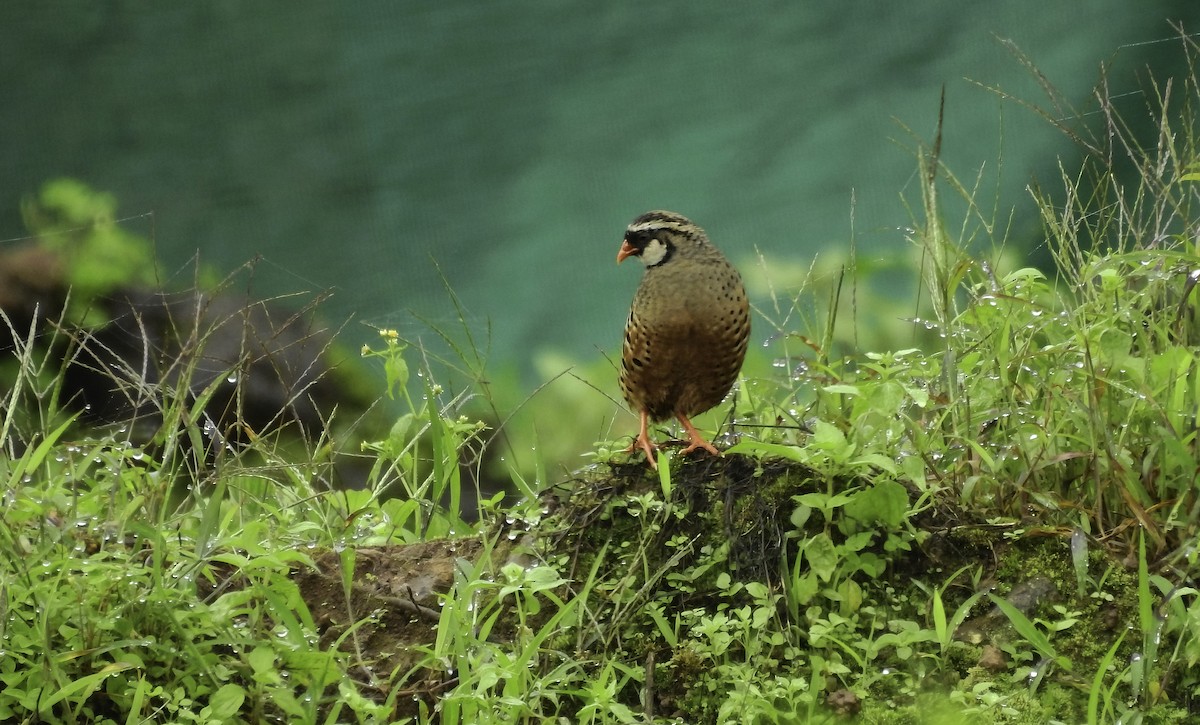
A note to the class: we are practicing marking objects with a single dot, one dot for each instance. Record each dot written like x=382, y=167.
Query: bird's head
x=656, y=235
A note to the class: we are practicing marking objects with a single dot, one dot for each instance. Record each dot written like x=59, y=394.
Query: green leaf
x=940, y=626
x=79, y=689
x=800, y=516
x=918, y=395
x=823, y=501
x=822, y=556
x=1027, y=629
x=757, y=590
x=878, y=460
x=32, y=460
x=261, y=659
x=842, y=389
x=664, y=475
x=664, y=627
x=852, y=596
x=886, y=398
x=804, y=588
x=760, y=449
x=885, y=502
x=829, y=437
x=1102, y=668
x=859, y=541
x=1146, y=618
x=395, y=369
x=225, y=702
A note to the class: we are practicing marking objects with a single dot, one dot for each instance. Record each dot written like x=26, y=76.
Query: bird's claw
x=651, y=450
x=697, y=440
x=700, y=443
x=643, y=442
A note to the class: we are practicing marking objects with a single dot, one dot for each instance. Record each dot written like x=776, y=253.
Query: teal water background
x=350, y=145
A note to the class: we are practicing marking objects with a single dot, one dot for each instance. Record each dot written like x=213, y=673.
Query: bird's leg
x=694, y=435
x=643, y=441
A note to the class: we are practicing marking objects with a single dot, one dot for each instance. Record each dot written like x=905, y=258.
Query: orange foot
x=697, y=439
x=643, y=441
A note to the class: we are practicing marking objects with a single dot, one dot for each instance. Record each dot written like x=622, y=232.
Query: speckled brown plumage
x=688, y=327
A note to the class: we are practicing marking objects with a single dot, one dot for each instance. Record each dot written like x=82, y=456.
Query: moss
x=1109, y=600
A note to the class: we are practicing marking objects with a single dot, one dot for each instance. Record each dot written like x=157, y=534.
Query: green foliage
x=106, y=603
x=100, y=255
x=156, y=581
x=503, y=681
x=425, y=479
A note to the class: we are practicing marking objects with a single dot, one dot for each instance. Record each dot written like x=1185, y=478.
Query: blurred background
x=375, y=148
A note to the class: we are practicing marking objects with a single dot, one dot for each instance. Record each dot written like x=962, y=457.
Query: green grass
x=996, y=524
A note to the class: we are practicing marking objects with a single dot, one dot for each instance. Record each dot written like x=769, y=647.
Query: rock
x=843, y=702
x=992, y=659
x=267, y=367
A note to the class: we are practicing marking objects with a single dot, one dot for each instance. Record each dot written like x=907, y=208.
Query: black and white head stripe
x=655, y=221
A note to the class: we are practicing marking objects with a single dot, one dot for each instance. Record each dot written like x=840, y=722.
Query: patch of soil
x=393, y=597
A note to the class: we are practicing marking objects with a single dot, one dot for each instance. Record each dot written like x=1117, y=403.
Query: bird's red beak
x=627, y=250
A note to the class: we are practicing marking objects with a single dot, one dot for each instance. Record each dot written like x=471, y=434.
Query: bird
x=688, y=327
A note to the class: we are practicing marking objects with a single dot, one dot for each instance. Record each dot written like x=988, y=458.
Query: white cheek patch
x=654, y=253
